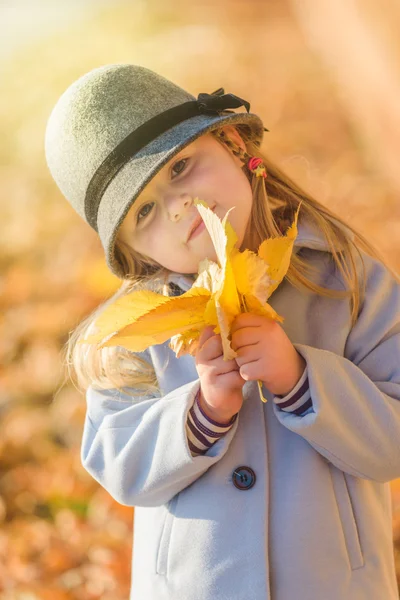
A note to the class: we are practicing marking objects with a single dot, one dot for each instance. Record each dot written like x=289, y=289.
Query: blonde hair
x=276, y=199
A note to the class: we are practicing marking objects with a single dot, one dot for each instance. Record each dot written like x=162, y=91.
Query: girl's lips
x=198, y=230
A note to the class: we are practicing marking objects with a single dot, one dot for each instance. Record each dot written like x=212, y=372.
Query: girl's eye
x=182, y=160
x=140, y=211
x=139, y=218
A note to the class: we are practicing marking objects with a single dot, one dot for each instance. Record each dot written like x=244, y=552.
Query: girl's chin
x=209, y=253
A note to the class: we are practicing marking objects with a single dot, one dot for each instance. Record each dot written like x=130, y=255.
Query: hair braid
x=281, y=214
x=236, y=150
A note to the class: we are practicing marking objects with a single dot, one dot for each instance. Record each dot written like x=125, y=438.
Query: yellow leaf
x=210, y=276
x=254, y=305
x=123, y=311
x=276, y=252
x=251, y=275
x=152, y=324
x=185, y=343
x=160, y=323
x=225, y=321
x=222, y=233
x=227, y=301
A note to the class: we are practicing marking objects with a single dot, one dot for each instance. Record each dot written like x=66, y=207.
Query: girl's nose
x=177, y=205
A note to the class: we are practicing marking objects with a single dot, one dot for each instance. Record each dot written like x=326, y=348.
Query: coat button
x=243, y=478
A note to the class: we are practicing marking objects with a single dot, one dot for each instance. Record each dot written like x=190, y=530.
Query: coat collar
x=308, y=236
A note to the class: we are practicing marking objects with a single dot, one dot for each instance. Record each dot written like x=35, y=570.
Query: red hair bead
x=256, y=166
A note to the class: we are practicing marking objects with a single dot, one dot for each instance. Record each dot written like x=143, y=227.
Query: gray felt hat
x=115, y=127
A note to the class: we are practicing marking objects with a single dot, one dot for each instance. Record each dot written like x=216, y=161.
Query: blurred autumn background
x=324, y=77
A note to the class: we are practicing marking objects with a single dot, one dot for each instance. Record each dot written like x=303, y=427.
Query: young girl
x=234, y=498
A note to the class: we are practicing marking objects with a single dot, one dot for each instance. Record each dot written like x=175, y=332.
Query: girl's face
x=159, y=222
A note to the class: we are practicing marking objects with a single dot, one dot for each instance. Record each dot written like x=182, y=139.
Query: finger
x=248, y=319
x=226, y=366
x=212, y=348
x=245, y=337
x=205, y=334
x=250, y=370
x=247, y=354
x=233, y=377
x=244, y=320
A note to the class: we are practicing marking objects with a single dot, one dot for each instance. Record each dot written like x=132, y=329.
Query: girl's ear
x=232, y=133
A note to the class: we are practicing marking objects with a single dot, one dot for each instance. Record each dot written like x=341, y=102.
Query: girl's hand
x=266, y=353
x=220, y=381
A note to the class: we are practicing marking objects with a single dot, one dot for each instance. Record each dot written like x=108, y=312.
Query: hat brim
x=144, y=165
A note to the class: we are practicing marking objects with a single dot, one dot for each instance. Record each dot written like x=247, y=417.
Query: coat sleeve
x=354, y=420
x=202, y=431
x=137, y=449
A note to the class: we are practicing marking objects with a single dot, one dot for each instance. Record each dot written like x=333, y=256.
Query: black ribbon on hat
x=217, y=101
x=209, y=104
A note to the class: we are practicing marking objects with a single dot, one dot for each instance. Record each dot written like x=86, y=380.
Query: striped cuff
x=202, y=432
x=298, y=400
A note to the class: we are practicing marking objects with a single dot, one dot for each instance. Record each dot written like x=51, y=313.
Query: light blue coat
x=317, y=523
